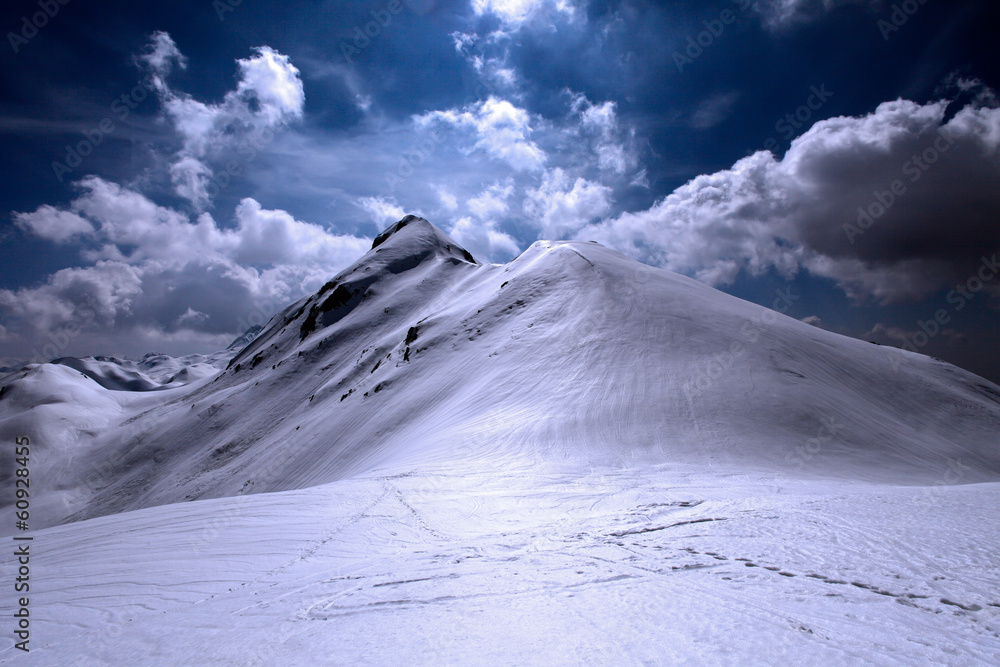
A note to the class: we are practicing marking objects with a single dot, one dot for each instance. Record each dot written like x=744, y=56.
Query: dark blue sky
x=175, y=170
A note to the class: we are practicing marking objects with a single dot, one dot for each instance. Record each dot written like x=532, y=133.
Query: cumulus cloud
x=270, y=79
x=492, y=202
x=516, y=12
x=891, y=205
x=599, y=124
x=483, y=239
x=480, y=233
x=489, y=57
x=447, y=199
x=702, y=228
x=94, y=295
x=383, y=210
x=274, y=237
x=191, y=177
x=51, y=224
x=591, y=154
x=883, y=332
x=502, y=131
x=153, y=269
x=268, y=95
x=561, y=205
x=132, y=228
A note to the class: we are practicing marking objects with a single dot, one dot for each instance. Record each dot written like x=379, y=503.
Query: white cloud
x=495, y=72
x=160, y=56
x=51, y=224
x=269, y=95
x=895, y=336
x=594, y=152
x=805, y=210
x=191, y=177
x=561, y=205
x=273, y=81
x=463, y=41
x=133, y=228
x=886, y=332
x=508, y=10
x=506, y=76
x=94, y=295
x=502, y=131
x=383, y=210
x=700, y=229
x=484, y=240
x=608, y=141
x=480, y=234
x=191, y=317
x=492, y=202
x=156, y=270
x=602, y=117
x=448, y=200
x=275, y=238
x=198, y=124
x=641, y=179
x=516, y=12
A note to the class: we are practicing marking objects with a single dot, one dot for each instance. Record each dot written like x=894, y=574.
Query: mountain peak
x=416, y=233
x=395, y=227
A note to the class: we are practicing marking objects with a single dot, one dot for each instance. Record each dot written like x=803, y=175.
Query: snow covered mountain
x=573, y=352
x=464, y=438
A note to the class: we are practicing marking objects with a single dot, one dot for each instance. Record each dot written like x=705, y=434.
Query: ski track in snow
x=545, y=567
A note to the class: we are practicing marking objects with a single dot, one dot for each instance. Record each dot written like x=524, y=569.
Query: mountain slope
x=541, y=564
x=417, y=355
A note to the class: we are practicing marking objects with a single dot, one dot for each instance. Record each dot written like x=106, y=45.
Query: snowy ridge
x=570, y=352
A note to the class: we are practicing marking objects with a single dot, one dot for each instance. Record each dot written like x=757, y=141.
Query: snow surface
x=571, y=458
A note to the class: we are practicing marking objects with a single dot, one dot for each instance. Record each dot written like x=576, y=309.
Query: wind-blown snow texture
x=569, y=458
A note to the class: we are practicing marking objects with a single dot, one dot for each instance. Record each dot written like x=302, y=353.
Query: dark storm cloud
x=893, y=205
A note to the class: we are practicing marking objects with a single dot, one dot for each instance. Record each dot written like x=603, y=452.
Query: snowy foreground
x=568, y=459
x=474, y=564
